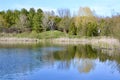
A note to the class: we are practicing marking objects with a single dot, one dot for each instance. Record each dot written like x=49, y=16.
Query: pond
x=58, y=62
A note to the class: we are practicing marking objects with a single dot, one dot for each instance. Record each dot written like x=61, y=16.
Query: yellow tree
x=84, y=16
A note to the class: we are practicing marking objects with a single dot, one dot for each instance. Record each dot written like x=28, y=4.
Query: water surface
x=58, y=62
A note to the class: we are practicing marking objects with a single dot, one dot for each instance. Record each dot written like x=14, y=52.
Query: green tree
x=9, y=16
x=57, y=20
x=2, y=22
x=72, y=28
x=24, y=11
x=16, y=15
x=30, y=16
x=37, y=21
x=92, y=29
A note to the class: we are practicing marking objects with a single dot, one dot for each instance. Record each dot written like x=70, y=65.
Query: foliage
x=72, y=29
x=91, y=29
x=51, y=34
x=84, y=23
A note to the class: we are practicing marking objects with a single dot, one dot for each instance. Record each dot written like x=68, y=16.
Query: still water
x=58, y=62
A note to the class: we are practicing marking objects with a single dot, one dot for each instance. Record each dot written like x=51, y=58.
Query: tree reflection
x=85, y=65
x=81, y=57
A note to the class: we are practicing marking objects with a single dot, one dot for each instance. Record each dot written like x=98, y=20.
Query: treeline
x=83, y=23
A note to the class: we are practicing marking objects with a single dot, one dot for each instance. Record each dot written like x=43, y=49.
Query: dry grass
x=101, y=41
x=13, y=40
x=106, y=40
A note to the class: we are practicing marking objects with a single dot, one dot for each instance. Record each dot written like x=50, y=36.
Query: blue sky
x=101, y=7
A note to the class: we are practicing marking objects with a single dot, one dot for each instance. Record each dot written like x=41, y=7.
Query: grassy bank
x=56, y=37
x=42, y=35
x=32, y=37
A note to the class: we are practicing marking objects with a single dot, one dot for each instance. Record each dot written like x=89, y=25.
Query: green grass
x=50, y=34
x=42, y=35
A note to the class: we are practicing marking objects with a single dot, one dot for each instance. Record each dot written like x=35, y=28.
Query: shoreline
x=15, y=40
x=92, y=40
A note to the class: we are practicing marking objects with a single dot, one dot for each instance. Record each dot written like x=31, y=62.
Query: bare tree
x=48, y=20
x=45, y=20
x=64, y=13
x=65, y=22
x=23, y=22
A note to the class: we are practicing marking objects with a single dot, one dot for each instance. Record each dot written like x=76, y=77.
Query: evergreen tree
x=30, y=16
x=37, y=21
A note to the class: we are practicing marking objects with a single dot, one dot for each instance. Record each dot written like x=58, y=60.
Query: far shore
x=92, y=40
x=15, y=40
